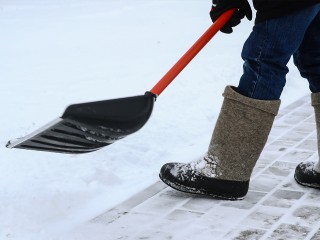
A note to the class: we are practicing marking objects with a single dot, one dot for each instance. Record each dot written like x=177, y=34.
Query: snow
x=56, y=53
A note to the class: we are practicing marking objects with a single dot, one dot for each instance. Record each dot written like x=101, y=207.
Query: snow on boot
x=308, y=173
x=239, y=136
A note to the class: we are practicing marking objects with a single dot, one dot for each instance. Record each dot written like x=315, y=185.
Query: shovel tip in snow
x=88, y=127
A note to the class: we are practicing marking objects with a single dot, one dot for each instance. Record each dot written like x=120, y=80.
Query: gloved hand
x=220, y=6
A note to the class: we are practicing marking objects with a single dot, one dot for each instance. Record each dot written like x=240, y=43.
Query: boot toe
x=306, y=175
x=168, y=172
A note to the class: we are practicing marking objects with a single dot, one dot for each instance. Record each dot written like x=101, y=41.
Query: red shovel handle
x=192, y=52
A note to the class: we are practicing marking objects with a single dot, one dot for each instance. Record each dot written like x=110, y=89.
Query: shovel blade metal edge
x=88, y=127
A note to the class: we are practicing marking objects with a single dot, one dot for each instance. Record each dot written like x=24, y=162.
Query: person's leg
x=268, y=50
x=244, y=121
x=308, y=173
x=307, y=59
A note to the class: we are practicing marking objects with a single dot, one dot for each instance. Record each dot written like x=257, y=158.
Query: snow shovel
x=87, y=127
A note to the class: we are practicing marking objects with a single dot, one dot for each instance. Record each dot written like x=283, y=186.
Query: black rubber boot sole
x=201, y=185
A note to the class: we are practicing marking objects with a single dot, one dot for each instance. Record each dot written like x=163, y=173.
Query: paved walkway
x=276, y=207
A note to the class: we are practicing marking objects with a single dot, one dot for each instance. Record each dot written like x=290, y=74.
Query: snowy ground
x=55, y=53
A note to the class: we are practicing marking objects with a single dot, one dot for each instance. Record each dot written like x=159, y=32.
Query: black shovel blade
x=87, y=127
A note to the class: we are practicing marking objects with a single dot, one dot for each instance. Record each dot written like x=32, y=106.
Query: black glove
x=220, y=6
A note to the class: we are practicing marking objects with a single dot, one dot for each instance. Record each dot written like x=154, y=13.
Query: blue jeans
x=269, y=48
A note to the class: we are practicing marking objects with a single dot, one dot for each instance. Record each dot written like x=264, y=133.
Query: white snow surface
x=54, y=53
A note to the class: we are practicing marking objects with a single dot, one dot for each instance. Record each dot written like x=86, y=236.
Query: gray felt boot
x=239, y=136
x=308, y=173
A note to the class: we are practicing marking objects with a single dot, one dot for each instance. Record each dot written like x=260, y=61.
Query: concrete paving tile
x=280, y=169
x=248, y=202
x=202, y=233
x=294, y=118
x=267, y=157
x=313, y=197
x=153, y=234
x=264, y=217
x=259, y=167
x=160, y=204
x=279, y=146
x=177, y=220
x=283, y=198
x=291, y=184
x=306, y=127
x=182, y=215
x=305, y=215
x=296, y=156
x=316, y=236
x=201, y=204
x=308, y=144
x=282, y=113
x=222, y=218
x=313, y=135
x=245, y=233
x=289, y=231
x=305, y=112
x=126, y=226
x=264, y=183
x=293, y=136
x=279, y=129
x=311, y=118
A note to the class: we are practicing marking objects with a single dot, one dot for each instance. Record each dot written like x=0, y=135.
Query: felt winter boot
x=308, y=173
x=238, y=138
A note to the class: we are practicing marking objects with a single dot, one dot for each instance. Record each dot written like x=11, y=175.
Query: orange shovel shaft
x=192, y=52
